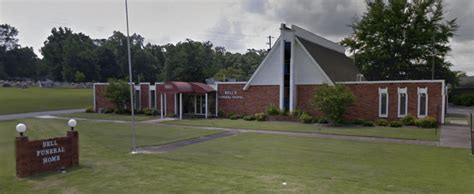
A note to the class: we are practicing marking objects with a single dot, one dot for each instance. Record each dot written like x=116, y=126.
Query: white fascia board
x=443, y=102
x=101, y=83
x=231, y=82
x=315, y=63
x=261, y=64
x=391, y=81
x=309, y=36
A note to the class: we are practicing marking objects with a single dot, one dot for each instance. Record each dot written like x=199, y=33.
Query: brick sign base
x=37, y=156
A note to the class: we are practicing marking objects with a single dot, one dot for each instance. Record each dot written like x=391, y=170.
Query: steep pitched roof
x=335, y=64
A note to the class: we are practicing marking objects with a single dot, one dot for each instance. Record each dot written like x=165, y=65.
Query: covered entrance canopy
x=191, y=89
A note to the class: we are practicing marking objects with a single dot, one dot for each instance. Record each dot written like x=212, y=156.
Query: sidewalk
x=35, y=114
x=455, y=136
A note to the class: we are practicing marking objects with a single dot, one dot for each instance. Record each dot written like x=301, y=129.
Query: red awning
x=184, y=87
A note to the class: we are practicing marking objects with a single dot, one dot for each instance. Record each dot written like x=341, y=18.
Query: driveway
x=459, y=110
x=35, y=114
x=455, y=136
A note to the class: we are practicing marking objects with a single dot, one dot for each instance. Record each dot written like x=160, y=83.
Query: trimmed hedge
x=395, y=124
x=408, y=120
x=427, y=122
x=306, y=118
x=261, y=116
x=235, y=117
x=381, y=122
x=249, y=118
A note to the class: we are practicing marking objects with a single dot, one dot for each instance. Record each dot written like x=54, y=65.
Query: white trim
x=391, y=81
x=180, y=106
x=402, y=91
x=206, y=112
x=261, y=64
x=161, y=105
x=166, y=105
x=240, y=82
x=443, y=102
x=195, y=104
x=101, y=83
x=425, y=91
x=331, y=83
x=281, y=62
x=383, y=91
x=175, y=104
x=292, y=76
x=95, y=103
x=151, y=88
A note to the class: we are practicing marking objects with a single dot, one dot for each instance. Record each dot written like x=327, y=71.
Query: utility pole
x=270, y=42
x=432, y=57
x=132, y=86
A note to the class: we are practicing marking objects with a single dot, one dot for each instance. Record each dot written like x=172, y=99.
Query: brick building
x=288, y=77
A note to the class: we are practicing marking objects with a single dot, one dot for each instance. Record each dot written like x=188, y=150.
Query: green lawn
x=112, y=116
x=17, y=100
x=246, y=163
x=457, y=120
x=403, y=132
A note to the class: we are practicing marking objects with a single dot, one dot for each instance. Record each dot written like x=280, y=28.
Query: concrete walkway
x=455, y=136
x=35, y=114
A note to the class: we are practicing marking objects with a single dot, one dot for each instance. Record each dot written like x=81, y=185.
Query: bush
x=249, y=118
x=381, y=122
x=118, y=91
x=260, y=116
x=220, y=114
x=297, y=113
x=230, y=114
x=235, y=117
x=139, y=111
x=359, y=121
x=333, y=101
x=147, y=111
x=272, y=110
x=395, y=124
x=108, y=110
x=427, y=122
x=323, y=120
x=89, y=109
x=368, y=124
x=463, y=99
x=284, y=112
x=316, y=119
x=306, y=118
x=408, y=120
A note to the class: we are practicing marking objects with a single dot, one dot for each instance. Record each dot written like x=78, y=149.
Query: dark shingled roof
x=336, y=65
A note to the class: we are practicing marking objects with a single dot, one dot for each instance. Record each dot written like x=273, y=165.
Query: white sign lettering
x=50, y=152
x=231, y=94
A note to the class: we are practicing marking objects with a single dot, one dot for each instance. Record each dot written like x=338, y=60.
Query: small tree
x=333, y=101
x=79, y=77
x=119, y=92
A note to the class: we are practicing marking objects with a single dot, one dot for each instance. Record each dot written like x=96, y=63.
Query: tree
x=399, y=40
x=230, y=73
x=118, y=91
x=333, y=101
x=79, y=77
x=21, y=63
x=8, y=38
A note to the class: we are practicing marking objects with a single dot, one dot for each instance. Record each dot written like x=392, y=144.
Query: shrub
x=230, y=114
x=316, y=119
x=358, y=121
x=463, y=99
x=89, y=109
x=297, y=113
x=323, y=120
x=395, y=124
x=381, y=122
x=108, y=110
x=260, y=116
x=249, y=118
x=235, y=117
x=272, y=110
x=139, y=111
x=284, y=112
x=368, y=123
x=408, y=120
x=306, y=118
x=220, y=114
x=333, y=101
x=147, y=111
x=427, y=122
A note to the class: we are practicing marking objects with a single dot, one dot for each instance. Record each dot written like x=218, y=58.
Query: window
x=402, y=102
x=137, y=99
x=422, y=102
x=152, y=99
x=383, y=102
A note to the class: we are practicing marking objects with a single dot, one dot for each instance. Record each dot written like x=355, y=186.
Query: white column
x=195, y=104
x=206, y=106
x=166, y=105
x=282, y=68
x=180, y=106
x=292, y=77
x=161, y=106
x=217, y=109
x=175, y=104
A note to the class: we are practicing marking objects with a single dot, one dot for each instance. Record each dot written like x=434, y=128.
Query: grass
x=402, y=132
x=111, y=116
x=457, y=120
x=246, y=163
x=17, y=100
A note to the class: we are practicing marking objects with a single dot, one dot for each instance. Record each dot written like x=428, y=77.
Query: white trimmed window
x=402, y=102
x=137, y=98
x=383, y=102
x=422, y=102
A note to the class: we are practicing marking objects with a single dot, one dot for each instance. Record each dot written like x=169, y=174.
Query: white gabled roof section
x=306, y=71
x=269, y=71
x=313, y=75
x=317, y=39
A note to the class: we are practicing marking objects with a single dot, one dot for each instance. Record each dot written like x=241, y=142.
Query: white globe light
x=72, y=123
x=20, y=128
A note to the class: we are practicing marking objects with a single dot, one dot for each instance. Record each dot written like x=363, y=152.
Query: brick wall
x=62, y=152
x=144, y=96
x=101, y=101
x=253, y=100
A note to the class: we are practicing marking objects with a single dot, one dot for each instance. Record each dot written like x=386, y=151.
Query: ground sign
x=37, y=156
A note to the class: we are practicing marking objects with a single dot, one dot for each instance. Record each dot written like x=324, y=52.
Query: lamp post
x=21, y=128
x=72, y=123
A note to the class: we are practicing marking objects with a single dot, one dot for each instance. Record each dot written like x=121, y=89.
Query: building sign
x=34, y=157
x=230, y=94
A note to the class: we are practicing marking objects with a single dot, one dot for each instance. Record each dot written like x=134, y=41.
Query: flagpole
x=132, y=87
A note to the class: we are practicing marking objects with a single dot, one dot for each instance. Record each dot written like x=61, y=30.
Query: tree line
x=76, y=57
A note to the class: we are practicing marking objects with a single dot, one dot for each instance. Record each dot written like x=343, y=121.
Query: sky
x=237, y=25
